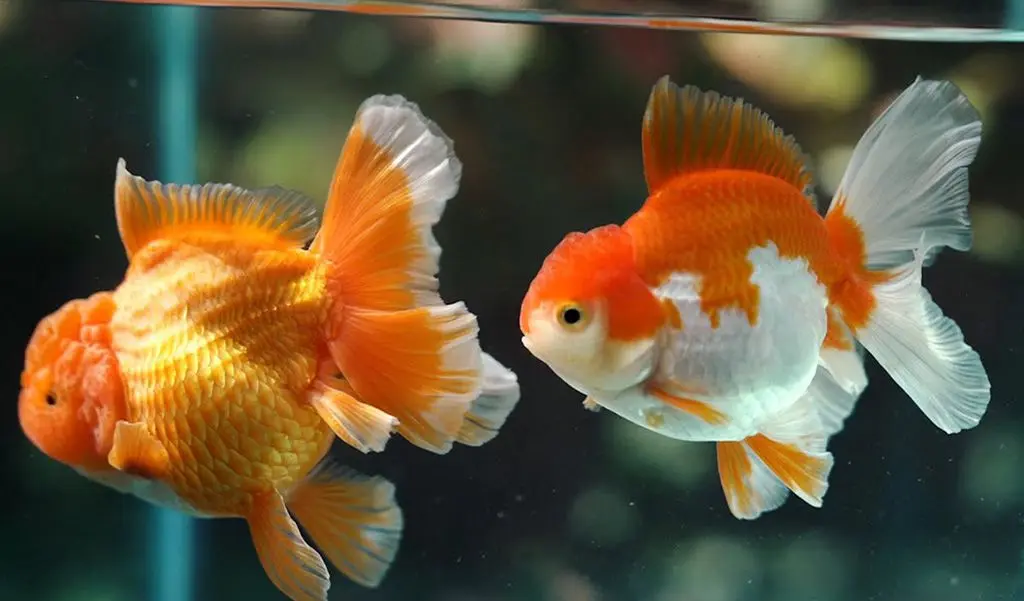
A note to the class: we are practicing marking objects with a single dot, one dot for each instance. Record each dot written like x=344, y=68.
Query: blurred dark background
x=565, y=505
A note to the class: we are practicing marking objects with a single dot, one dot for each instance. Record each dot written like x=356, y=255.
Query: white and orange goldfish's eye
x=572, y=316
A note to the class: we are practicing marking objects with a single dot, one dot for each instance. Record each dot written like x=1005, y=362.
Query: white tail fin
x=905, y=192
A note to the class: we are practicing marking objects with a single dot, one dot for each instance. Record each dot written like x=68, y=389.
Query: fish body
x=190, y=355
x=728, y=309
x=214, y=379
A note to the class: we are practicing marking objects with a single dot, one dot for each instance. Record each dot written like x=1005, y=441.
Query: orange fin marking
x=135, y=451
x=362, y=426
x=421, y=366
x=797, y=470
x=352, y=518
x=149, y=210
x=734, y=468
x=294, y=567
x=687, y=130
x=591, y=405
x=698, y=409
x=750, y=487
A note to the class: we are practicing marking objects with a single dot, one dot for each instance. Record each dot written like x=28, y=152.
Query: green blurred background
x=565, y=505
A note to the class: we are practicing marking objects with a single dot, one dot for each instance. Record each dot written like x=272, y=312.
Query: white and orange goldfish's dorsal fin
x=150, y=210
x=687, y=130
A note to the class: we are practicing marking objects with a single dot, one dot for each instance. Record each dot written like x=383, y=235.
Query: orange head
x=590, y=316
x=71, y=391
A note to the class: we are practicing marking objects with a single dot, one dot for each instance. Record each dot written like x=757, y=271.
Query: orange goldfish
x=728, y=309
x=215, y=377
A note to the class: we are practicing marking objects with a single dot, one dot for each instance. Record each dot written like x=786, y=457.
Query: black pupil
x=51, y=400
x=571, y=316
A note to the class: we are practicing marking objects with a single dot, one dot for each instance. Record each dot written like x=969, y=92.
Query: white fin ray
x=907, y=177
x=925, y=353
x=907, y=189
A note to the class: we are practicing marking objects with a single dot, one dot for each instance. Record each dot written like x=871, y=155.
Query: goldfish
x=215, y=377
x=728, y=309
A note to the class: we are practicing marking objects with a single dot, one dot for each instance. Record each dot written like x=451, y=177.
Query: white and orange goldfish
x=215, y=377
x=727, y=308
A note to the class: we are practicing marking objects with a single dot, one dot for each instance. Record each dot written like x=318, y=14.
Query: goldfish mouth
x=529, y=347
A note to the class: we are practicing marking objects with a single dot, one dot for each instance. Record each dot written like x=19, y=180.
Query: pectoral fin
x=137, y=452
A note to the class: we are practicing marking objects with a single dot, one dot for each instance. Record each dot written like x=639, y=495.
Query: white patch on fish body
x=747, y=372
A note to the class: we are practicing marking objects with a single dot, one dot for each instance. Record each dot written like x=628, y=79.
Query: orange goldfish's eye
x=51, y=399
x=572, y=316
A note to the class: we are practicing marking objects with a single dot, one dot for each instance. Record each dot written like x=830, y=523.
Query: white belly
x=746, y=371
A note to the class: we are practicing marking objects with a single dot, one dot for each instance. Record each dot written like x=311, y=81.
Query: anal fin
x=789, y=453
x=137, y=452
x=803, y=471
x=294, y=567
x=750, y=487
x=352, y=518
x=362, y=426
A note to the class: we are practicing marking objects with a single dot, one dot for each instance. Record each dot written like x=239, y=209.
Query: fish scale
x=248, y=428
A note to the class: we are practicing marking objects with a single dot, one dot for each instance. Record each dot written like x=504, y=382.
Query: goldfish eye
x=51, y=400
x=571, y=315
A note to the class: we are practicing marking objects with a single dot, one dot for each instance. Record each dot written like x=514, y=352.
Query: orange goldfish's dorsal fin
x=149, y=210
x=687, y=130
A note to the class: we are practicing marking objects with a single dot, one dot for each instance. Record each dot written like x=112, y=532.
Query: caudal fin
x=903, y=198
x=488, y=412
x=398, y=345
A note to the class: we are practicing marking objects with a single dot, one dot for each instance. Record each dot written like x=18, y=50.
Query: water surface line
x=905, y=30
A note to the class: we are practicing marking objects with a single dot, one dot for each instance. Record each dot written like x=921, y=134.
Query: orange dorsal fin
x=687, y=130
x=150, y=210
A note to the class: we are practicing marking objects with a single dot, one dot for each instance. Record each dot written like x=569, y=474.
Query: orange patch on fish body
x=716, y=218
